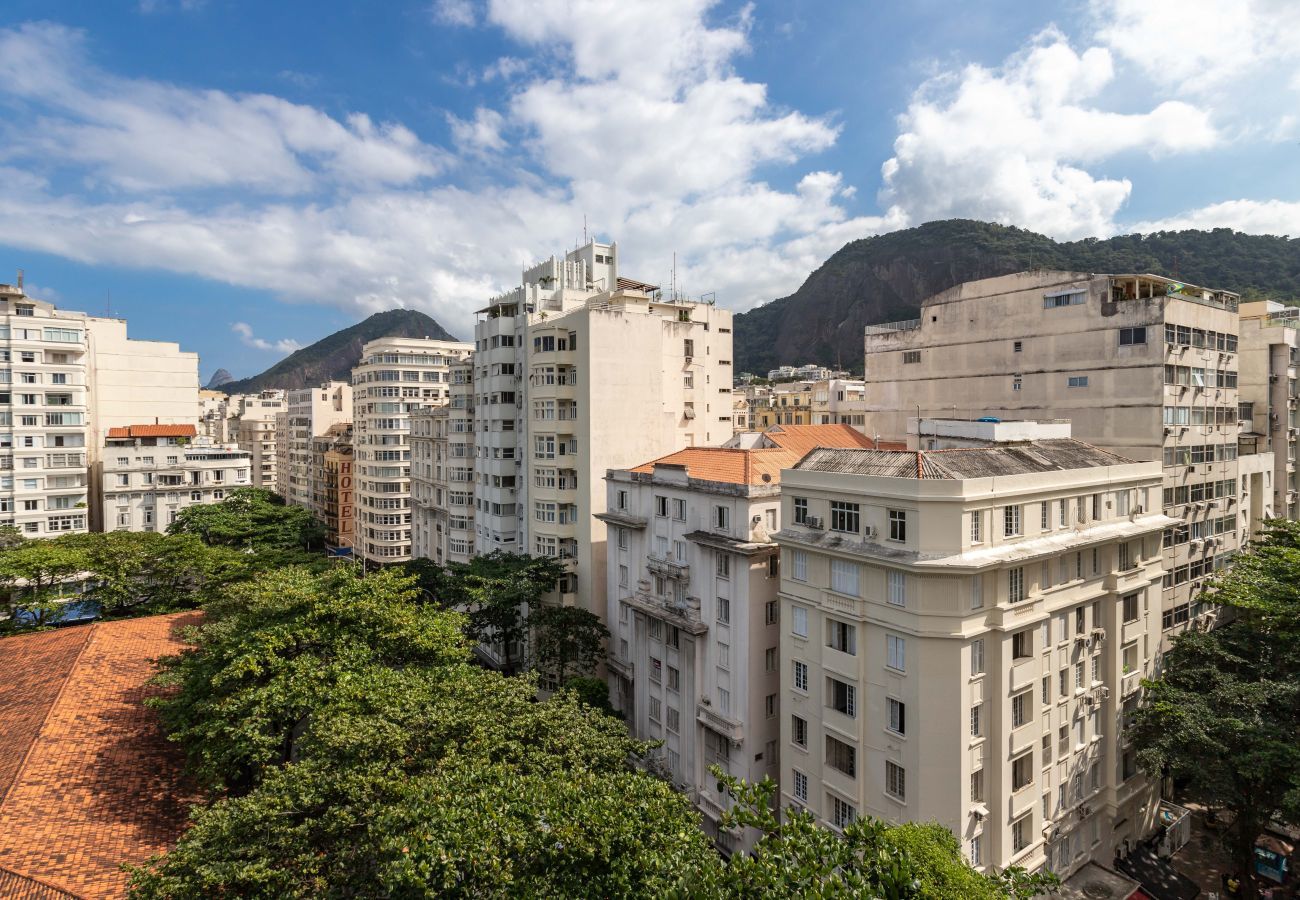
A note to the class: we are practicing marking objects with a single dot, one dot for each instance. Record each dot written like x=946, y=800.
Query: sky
x=248, y=177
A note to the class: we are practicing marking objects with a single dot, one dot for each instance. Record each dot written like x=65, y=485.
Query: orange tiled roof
x=749, y=466
x=89, y=782
x=139, y=431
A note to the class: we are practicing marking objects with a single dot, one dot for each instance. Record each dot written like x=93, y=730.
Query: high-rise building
x=255, y=432
x=308, y=414
x=1140, y=365
x=332, y=497
x=1270, y=363
x=693, y=606
x=396, y=376
x=442, y=473
x=152, y=472
x=963, y=636
x=578, y=371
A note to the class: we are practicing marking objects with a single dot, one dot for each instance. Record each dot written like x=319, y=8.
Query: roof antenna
x=674, y=277
x=20, y=281
x=584, y=229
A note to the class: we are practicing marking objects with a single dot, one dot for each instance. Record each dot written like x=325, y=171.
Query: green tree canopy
x=497, y=591
x=254, y=520
x=568, y=641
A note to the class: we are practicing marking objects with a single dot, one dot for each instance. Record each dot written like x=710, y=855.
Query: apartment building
x=839, y=401
x=308, y=413
x=692, y=606
x=442, y=474
x=255, y=431
x=332, y=497
x=1270, y=361
x=396, y=377
x=218, y=420
x=578, y=371
x=963, y=633
x=152, y=472
x=1144, y=366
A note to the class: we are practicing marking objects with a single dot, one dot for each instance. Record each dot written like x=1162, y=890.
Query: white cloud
x=248, y=339
x=459, y=13
x=483, y=132
x=1252, y=216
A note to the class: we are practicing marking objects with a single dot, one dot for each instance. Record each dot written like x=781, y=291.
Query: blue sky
x=247, y=177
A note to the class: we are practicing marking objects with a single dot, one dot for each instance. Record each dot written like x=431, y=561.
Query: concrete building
x=1144, y=366
x=134, y=381
x=442, y=474
x=809, y=372
x=255, y=432
x=218, y=417
x=578, y=371
x=308, y=413
x=152, y=472
x=692, y=588
x=963, y=633
x=840, y=401
x=333, y=499
x=1270, y=360
x=396, y=377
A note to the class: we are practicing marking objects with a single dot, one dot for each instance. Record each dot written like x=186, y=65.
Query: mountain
x=885, y=278
x=219, y=377
x=332, y=358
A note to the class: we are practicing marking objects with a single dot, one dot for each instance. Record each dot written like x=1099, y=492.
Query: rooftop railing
x=890, y=327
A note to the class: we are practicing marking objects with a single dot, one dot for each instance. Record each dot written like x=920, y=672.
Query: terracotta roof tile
x=99, y=785
x=142, y=431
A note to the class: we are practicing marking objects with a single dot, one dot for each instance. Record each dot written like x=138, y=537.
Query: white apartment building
x=396, y=377
x=442, y=474
x=692, y=588
x=963, y=633
x=1270, y=362
x=152, y=472
x=218, y=417
x=1139, y=364
x=840, y=401
x=255, y=432
x=578, y=371
x=308, y=413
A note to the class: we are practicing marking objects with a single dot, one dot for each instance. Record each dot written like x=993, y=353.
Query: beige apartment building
x=1270, y=361
x=963, y=633
x=308, y=413
x=255, y=431
x=218, y=420
x=396, y=377
x=578, y=371
x=442, y=474
x=332, y=497
x=692, y=606
x=1141, y=365
x=152, y=472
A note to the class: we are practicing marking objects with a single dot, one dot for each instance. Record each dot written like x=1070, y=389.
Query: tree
x=594, y=692
x=566, y=638
x=1223, y=720
x=30, y=570
x=255, y=521
x=496, y=591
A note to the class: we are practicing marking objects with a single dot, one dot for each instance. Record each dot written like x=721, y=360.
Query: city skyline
x=284, y=182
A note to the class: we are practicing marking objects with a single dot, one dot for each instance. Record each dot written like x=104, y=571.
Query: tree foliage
x=255, y=521
x=567, y=641
x=1223, y=720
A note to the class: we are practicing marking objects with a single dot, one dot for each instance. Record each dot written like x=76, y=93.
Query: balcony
x=668, y=568
x=726, y=726
x=1129, y=683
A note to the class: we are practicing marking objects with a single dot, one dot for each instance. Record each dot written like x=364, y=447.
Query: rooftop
x=143, y=431
x=1025, y=458
x=87, y=780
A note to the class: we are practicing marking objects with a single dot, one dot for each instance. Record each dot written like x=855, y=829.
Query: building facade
x=1270, y=363
x=962, y=636
x=1141, y=365
x=578, y=371
x=255, y=432
x=442, y=474
x=152, y=472
x=692, y=606
x=396, y=377
x=308, y=414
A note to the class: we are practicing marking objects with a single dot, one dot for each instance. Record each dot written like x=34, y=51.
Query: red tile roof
x=143, y=431
x=95, y=783
x=762, y=465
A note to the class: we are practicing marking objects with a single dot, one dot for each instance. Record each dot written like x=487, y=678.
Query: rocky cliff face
x=332, y=358
x=219, y=378
x=884, y=278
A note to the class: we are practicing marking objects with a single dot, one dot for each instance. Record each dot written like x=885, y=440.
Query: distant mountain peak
x=219, y=378
x=333, y=357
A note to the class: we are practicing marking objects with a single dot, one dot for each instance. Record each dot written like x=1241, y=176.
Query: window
x=799, y=621
x=724, y=610
x=842, y=636
x=622, y=538
x=895, y=781
x=674, y=720
x=896, y=652
x=897, y=525
x=1022, y=771
x=622, y=576
x=897, y=710
x=977, y=592
x=722, y=518
x=661, y=506
x=845, y=517
x=842, y=697
x=976, y=723
x=800, y=786
x=1017, y=346
x=656, y=705
x=769, y=659
x=977, y=527
x=800, y=510
x=799, y=731
x=1128, y=337
x=843, y=813
x=679, y=509
x=1131, y=607
x=841, y=756
x=911, y=356
x=1015, y=585
x=976, y=850
x=674, y=679
x=1010, y=521
x=772, y=612
x=1063, y=298
x=977, y=656
x=723, y=565
x=724, y=701
x=1022, y=644
x=897, y=588
x=1045, y=516
x=1078, y=676
x=1021, y=835
x=844, y=577
x=1021, y=704
x=977, y=786
x=1077, y=381
x=801, y=676
x=799, y=560
x=1017, y=382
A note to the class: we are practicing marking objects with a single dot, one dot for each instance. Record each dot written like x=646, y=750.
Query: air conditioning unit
x=869, y=531
x=1103, y=692
x=1089, y=700
x=1139, y=510
x=1099, y=635
x=1080, y=640
x=813, y=522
